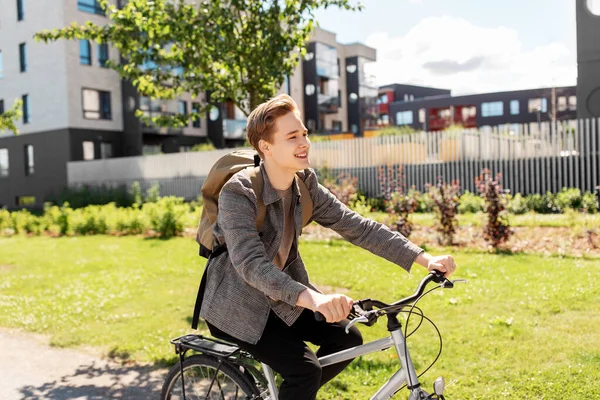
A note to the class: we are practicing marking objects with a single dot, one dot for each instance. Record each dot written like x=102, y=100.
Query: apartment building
x=440, y=111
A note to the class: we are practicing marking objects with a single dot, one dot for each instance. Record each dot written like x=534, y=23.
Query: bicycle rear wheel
x=207, y=378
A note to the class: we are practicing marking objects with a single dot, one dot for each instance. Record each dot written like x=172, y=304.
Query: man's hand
x=334, y=307
x=443, y=263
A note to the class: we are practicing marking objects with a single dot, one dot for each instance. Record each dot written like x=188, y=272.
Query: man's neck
x=280, y=178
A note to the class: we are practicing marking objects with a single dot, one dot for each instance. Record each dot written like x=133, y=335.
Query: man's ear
x=264, y=146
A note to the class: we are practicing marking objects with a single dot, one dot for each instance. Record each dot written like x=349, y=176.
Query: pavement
x=31, y=369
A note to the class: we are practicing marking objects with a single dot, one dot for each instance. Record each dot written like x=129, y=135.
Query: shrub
x=497, y=231
x=568, y=199
x=135, y=191
x=589, y=203
x=542, y=203
x=470, y=203
x=360, y=205
x=153, y=193
x=82, y=196
x=425, y=203
x=344, y=188
x=445, y=199
x=517, y=204
x=398, y=201
x=402, y=205
x=208, y=146
x=167, y=215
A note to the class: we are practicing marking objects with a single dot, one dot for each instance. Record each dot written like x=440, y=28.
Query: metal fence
x=532, y=158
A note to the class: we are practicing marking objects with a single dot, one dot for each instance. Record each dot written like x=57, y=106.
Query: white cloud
x=452, y=53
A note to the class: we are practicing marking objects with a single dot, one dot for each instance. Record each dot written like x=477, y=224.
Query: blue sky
x=469, y=46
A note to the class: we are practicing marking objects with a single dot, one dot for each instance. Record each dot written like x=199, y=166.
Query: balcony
x=234, y=129
x=328, y=104
x=163, y=130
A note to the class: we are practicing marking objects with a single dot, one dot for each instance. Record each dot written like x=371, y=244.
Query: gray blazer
x=243, y=284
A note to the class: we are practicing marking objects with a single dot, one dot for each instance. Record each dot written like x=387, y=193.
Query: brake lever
x=353, y=322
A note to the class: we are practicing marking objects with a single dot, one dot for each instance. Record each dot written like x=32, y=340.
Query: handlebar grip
x=319, y=317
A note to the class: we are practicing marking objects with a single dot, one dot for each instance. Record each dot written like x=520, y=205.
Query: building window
x=1, y=64
x=1, y=106
x=385, y=119
x=404, y=118
x=3, y=162
x=91, y=6
x=573, y=103
x=196, y=121
x=103, y=54
x=25, y=100
x=23, y=57
x=25, y=200
x=562, y=103
x=286, y=85
x=29, y=160
x=336, y=125
x=85, y=52
x=492, y=109
x=536, y=105
x=514, y=107
x=422, y=113
x=406, y=97
x=96, y=104
x=383, y=99
x=106, y=150
x=88, y=151
x=20, y=10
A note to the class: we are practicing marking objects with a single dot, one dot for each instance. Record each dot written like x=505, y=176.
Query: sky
x=468, y=46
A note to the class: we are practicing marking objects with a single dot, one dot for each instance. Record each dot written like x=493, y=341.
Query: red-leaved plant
x=497, y=231
x=398, y=201
x=344, y=188
x=445, y=204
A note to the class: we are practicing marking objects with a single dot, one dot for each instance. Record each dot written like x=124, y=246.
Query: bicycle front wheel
x=207, y=378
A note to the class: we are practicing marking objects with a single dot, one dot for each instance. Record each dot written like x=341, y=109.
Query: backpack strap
x=306, y=202
x=258, y=184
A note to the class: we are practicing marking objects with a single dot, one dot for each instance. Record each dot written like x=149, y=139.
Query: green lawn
x=524, y=327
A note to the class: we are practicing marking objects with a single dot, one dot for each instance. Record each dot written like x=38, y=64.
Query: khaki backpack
x=219, y=174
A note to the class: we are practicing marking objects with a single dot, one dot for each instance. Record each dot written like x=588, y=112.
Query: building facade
x=588, y=58
x=396, y=92
x=440, y=112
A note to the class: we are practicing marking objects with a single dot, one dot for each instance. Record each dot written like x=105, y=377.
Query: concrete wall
x=51, y=150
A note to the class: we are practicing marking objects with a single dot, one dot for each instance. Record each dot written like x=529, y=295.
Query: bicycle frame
x=406, y=374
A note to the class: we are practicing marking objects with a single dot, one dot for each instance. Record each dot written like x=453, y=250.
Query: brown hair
x=261, y=122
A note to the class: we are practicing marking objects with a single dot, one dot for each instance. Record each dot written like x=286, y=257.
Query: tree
x=8, y=118
x=236, y=50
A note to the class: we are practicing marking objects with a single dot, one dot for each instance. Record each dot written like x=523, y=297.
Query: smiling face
x=289, y=146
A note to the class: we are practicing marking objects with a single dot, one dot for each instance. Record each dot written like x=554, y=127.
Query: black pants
x=282, y=347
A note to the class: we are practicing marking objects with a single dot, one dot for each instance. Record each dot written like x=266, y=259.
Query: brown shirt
x=289, y=228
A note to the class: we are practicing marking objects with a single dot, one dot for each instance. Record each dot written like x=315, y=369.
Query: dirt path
x=31, y=369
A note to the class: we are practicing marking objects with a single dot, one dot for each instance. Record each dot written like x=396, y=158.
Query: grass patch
x=524, y=327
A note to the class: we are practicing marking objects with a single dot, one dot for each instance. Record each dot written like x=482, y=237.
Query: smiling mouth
x=301, y=155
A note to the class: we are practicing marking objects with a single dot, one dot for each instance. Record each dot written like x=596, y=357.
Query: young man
x=258, y=294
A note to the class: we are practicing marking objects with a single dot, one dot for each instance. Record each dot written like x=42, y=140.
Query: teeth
x=301, y=155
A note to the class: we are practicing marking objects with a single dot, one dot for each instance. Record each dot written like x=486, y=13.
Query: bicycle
x=223, y=371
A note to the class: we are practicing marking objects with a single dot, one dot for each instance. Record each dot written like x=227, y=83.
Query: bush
x=82, y=196
x=568, y=199
x=445, y=199
x=208, y=146
x=167, y=216
x=497, y=231
x=425, y=203
x=398, y=201
x=542, y=203
x=589, y=203
x=344, y=188
x=470, y=203
x=517, y=204
x=153, y=193
x=135, y=191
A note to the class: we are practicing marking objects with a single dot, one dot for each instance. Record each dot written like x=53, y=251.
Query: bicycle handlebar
x=358, y=308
